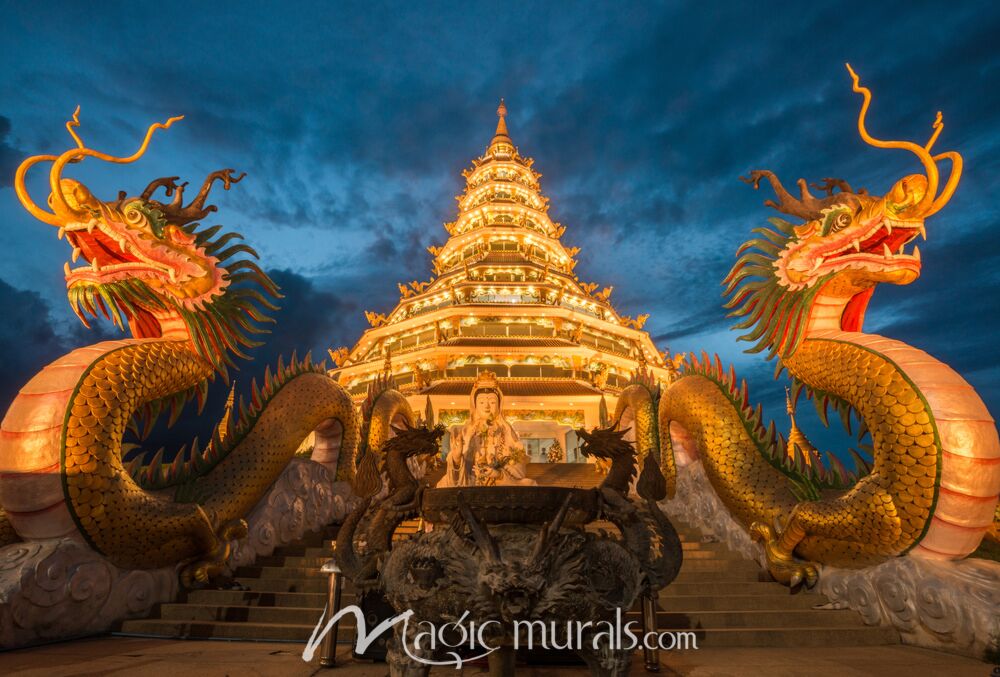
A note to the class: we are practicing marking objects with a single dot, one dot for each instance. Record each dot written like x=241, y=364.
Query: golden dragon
x=801, y=290
x=191, y=301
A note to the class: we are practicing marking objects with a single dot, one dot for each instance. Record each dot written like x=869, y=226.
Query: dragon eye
x=835, y=222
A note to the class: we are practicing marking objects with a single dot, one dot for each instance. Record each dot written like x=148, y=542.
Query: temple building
x=504, y=298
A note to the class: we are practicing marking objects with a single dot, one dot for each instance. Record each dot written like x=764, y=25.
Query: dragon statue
x=191, y=302
x=801, y=290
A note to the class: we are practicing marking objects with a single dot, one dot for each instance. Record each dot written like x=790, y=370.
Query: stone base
x=60, y=588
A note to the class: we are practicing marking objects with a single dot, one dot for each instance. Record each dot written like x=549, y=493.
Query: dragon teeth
x=66, y=268
x=888, y=227
x=916, y=252
x=94, y=266
x=819, y=262
x=885, y=251
x=76, y=254
x=923, y=231
x=62, y=232
x=857, y=245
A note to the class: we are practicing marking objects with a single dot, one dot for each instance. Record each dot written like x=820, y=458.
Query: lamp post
x=650, y=656
x=328, y=652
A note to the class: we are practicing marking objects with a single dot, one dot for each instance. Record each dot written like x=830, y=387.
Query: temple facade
x=504, y=298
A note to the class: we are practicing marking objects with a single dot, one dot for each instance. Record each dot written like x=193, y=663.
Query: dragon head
x=515, y=580
x=146, y=263
x=607, y=443
x=409, y=441
x=821, y=272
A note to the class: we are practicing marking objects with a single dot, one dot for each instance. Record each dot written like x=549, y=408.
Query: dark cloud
x=28, y=340
x=10, y=157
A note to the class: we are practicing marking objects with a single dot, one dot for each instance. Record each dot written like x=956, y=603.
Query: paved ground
x=179, y=658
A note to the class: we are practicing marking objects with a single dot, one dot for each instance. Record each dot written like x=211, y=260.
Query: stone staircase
x=725, y=599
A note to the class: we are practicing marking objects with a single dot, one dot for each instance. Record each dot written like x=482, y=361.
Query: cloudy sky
x=354, y=122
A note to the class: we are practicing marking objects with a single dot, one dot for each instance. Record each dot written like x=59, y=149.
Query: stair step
x=284, y=615
x=768, y=600
x=666, y=620
x=681, y=588
x=278, y=580
x=801, y=637
x=767, y=597
x=326, y=552
x=262, y=598
x=736, y=569
x=756, y=618
x=259, y=632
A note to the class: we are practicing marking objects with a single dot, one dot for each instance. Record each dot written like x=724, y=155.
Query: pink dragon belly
x=31, y=488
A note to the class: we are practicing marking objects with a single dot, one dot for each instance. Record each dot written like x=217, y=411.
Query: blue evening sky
x=354, y=120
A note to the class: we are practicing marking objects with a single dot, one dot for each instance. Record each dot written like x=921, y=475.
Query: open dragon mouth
x=112, y=256
x=881, y=252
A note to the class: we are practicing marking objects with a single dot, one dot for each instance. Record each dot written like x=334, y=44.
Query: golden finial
x=501, y=123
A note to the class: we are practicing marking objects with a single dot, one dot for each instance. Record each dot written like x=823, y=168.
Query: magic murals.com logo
x=467, y=640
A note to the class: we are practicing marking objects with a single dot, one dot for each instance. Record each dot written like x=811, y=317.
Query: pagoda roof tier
x=512, y=387
x=506, y=342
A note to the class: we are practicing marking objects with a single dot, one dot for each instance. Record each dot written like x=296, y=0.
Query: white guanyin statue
x=486, y=451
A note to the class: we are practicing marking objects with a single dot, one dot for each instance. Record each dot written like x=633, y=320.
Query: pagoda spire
x=501, y=138
x=501, y=132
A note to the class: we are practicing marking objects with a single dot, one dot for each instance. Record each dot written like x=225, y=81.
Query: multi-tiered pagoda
x=504, y=298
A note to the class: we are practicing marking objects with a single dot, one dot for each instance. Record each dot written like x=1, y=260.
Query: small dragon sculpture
x=402, y=501
x=646, y=531
x=191, y=302
x=802, y=290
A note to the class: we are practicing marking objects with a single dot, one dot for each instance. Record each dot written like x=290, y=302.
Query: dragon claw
x=213, y=565
x=780, y=564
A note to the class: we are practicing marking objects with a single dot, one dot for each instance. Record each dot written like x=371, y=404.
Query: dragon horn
x=480, y=534
x=22, y=191
x=548, y=531
x=930, y=202
x=62, y=211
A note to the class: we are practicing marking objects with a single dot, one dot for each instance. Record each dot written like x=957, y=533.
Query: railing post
x=650, y=655
x=328, y=652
